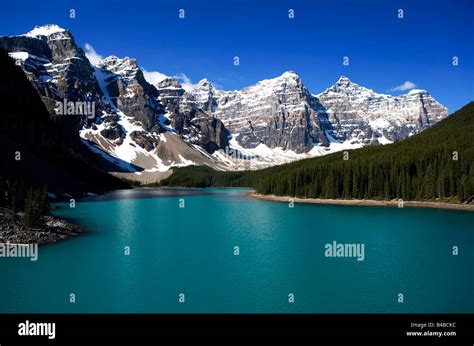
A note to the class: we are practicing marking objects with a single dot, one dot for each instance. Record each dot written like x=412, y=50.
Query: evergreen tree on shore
x=36, y=206
x=32, y=201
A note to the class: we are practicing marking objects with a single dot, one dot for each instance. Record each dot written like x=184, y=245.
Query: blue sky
x=384, y=51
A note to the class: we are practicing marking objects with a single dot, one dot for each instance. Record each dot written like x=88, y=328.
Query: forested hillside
x=435, y=164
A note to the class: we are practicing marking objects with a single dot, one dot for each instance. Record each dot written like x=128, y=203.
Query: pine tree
x=29, y=212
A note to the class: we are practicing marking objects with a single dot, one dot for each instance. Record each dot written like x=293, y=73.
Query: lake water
x=190, y=250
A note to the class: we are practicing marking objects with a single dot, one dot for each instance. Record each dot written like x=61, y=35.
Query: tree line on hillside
x=32, y=201
x=203, y=176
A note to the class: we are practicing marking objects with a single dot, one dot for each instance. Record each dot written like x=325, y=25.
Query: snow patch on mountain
x=44, y=30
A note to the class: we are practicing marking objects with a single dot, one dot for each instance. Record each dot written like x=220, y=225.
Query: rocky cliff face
x=360, y=115
x=278, y=112
x=185, y=117
x=128, y=93
x=58, y=70
x=281, y=113
x=147, y=127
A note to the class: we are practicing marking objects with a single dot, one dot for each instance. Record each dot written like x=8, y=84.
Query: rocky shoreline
x=54, y=229
x=364, y=202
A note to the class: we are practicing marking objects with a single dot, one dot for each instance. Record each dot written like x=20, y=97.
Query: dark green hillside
x=204, y=176
x=423, y=167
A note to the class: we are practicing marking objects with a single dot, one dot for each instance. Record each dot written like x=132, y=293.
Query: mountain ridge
x=274, y=121
x=433, y=166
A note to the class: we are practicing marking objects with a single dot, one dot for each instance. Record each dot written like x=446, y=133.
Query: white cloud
x=185, y=82
x=92, y=55
x=405, y=86
x=153, y=77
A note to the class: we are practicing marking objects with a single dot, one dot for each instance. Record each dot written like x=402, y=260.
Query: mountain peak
x=204, y=83
x=345, y=85
x=114, y=60
x=44, y=30
x=109, y=59
x=170, y=82
x=290, y=74
x=343, y=80
x=288, y=77
x=417, y=91
x=126, y=67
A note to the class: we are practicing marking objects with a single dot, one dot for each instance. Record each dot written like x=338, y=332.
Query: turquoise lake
x=190, y=250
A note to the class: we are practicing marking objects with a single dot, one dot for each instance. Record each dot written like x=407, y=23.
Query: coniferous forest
x=435, y=164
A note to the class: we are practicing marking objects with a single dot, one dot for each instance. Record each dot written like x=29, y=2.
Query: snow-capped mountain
x=145, y=129
x=278, y=112
x=57, y=68
x=129, y=128
x=360, y=115
x=44, y=31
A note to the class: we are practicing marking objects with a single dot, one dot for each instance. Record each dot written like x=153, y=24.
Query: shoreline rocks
x=364, y=202
x=53, y=230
